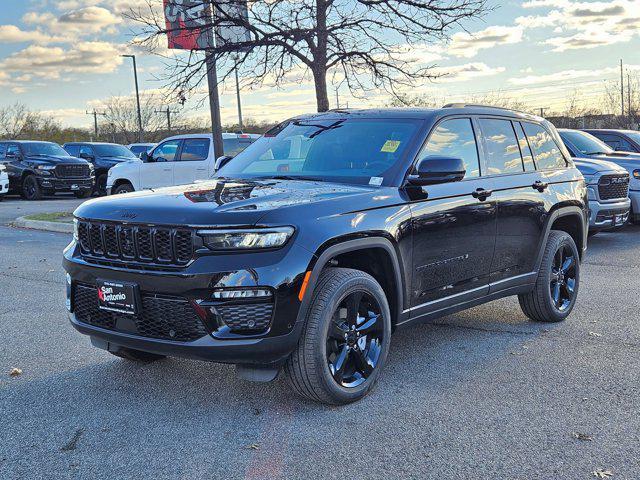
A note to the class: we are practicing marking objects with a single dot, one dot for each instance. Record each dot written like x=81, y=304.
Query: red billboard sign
x=188, y=24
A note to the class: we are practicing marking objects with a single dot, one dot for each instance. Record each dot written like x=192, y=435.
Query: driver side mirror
x=87, y=157
x=434, y=169
x=145, y=157
x=13, y=155
x=222, y=161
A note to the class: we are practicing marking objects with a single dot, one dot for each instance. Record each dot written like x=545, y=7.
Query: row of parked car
x=34, y=169
x=608, y=159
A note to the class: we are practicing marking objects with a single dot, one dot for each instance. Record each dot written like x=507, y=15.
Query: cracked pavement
x=484, y=393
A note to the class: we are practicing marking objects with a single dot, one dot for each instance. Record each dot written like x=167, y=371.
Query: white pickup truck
x=177, y=160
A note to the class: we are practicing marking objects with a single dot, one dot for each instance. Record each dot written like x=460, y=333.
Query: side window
x=231, y=146
x=525, y=150
x=546, y=151
x=73, y=150
x=455, y=138
x=3, y=149
x=194, y=150
x=166, y=152
x=503, y=153
x=13, y=151
x=86, y=150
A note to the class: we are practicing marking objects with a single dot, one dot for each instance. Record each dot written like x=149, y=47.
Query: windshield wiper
x=288, y=177
x=598, y=153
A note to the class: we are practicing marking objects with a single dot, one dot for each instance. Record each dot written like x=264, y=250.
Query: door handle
x=481, y=194
x=540, y=186
x=166, y=169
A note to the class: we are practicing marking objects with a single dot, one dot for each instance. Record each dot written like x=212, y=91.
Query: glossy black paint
x=435, y=249
x=101, y=164
x=18, y=168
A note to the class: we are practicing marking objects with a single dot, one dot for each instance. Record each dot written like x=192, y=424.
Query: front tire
x=101, y=185
x=556, y=288
x=83, y=194
x=345, y=340
x=123, y=188
x=30, y=188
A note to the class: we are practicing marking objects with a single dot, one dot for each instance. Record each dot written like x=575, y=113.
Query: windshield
x=43, y=148
x=635, y=136
x=343, y=150
x=110, y=150
x=585, y=143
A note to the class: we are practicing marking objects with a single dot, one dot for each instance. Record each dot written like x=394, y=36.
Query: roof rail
x=479, y=105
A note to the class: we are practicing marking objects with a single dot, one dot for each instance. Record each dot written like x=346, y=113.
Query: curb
x=58, y=227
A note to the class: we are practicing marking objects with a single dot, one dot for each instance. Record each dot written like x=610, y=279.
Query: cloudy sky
x=63, y=57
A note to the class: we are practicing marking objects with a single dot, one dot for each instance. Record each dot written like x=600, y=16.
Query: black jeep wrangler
x=327, y=234
x=43, y=168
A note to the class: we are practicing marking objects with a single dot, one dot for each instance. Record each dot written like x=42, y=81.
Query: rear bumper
x=66, y=184
x=604, y=216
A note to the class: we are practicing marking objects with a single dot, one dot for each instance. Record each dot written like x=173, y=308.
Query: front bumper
x=66, y=184
x=282, y=271
x=4, y=184
x=604, y=216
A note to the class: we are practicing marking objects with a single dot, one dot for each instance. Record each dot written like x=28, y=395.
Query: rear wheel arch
x=567, y=219
x=376, y=256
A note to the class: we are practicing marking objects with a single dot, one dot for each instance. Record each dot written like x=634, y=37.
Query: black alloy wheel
x=563, y=277
x=354, y=340
x=30, y=188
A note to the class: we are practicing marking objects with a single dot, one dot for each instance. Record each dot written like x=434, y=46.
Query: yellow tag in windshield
x=390, y=146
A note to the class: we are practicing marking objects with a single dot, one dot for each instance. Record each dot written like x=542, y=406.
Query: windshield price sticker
x=390, y=146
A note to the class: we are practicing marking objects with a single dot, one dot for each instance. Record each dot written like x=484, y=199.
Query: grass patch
x=61, y=217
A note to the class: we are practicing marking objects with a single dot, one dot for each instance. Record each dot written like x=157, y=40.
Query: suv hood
x=52, y=160
x=118, y=159
x=591, y=166
x=225, y=202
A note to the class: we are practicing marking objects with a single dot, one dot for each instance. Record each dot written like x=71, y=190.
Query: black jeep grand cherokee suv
x=327, y=234
x=44, y=168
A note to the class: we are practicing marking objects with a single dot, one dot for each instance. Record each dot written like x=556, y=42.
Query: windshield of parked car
x=585, y=143
x=112, y=150
x=340, y=150
x=33, y=149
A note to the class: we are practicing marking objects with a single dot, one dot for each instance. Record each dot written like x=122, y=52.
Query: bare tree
x=613, y=99
x=17, y=121
x=365, y=44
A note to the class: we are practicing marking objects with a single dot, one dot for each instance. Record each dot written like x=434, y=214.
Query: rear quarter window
x=546, y=151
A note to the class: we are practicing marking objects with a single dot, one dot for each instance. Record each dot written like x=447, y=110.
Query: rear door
x=453, y=224
x=520, y=207
x=193, y=163
x=159, y=171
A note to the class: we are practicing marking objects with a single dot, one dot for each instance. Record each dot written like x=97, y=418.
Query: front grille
x=612, y=187
x=163, y=317
x=171, y=247
x=248, y=317
x=72, y=171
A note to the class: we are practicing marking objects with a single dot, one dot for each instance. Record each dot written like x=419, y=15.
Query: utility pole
x=622, y=87
x=95, y=114
x=337, y=99
x=542, y=109
x=238, y=99
x=214, y=105
x=168, y=113
x=135, y=76
x=628, y=94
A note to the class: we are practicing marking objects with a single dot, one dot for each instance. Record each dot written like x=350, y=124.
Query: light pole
x=135, y=76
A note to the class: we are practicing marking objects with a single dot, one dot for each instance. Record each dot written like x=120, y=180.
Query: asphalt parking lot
x=481, y=394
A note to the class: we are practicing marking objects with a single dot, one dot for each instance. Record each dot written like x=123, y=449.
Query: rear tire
x=30, y=188
x=556, y=288
x=101, y=185
x=137, y=355
x=345, y=340
x=123, y=188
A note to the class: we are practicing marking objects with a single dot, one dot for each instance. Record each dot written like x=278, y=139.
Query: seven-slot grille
x=136, y=243
x=161, y=316
x=72, y=171
x=613, y=186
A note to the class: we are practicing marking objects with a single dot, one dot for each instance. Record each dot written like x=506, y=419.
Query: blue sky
x=62, y=57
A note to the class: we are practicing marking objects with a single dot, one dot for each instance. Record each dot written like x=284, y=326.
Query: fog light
x=241, y=293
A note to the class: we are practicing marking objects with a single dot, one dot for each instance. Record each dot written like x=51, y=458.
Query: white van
x=177, y=160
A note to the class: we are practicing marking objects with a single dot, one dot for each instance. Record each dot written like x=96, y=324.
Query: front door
x=454, y=226
x=159, y=171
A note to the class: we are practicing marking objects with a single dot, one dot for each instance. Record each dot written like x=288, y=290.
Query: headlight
x=636, y=174
x=246, y=239
x=75, y=229
x=2, y=167
x=45, y=169
x=588, y=179
x=591, y=192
